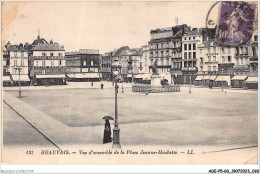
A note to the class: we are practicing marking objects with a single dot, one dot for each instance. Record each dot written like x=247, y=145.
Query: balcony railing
x=190, y=69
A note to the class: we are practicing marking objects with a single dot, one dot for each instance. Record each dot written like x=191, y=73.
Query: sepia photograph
x=160, y=82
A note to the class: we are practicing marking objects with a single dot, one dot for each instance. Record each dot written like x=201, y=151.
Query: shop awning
x=129, y=75
x=6, y=79
x=199, y=78
x=252, y=80
x=138, y=76
x=225, y=78
x=239, y=78
x=213, y=77
x=24, y=78
x=56, y=76
x=205, y=78
x=83, y=75
x=147, y=76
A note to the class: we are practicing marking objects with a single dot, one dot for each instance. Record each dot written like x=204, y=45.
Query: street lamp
x=19, y=70
x=190, y=79
x=116, y=130
x=222, y=70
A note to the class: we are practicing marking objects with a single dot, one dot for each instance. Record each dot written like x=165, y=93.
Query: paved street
x=18, y=132
x=205, y=117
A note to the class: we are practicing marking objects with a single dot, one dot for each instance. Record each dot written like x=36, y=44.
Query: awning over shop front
x=56, y=76
x=239, y=78
x=147, y=76
x=205, y=78
x=83, y=75
x=225, y=79
x=129, y=75
x=6, y=79
x=138, y=76
x=199, y=78
x=23, y=78
x=213, y=77
x=252, y=80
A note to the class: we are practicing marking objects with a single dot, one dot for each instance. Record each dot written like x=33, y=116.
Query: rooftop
x=48, y=47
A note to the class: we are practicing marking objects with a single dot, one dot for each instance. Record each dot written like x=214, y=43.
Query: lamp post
x=190, y=84
x=222, y=70
x=122, y=87
x=116, y=130
x=19, y=70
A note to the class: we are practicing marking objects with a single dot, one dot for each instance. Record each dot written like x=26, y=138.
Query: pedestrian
x=107, y=133
x=102, y=85
x=91, y=83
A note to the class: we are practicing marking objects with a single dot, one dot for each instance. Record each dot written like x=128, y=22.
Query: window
x=201, y=61
x=229, y=58
x=184, y=38
x=185, y=55
x=15, y=54
x=167, y=61
x=167, y=53
x=246, y=50
x=214, y=68
x=189, y=46
x=15, y=62
x=43, y=63
x=242, y=61
x=200, y=51
x=92, y=63
x=214, y=49
x=37, y=63
x=214, y=58
x=189, y=55
x=43, y=54
x=185, y=46
x=52, y=63
x=209, y=68
x=222, y=50
x=209, y=59
x=151, y=54
x=189, y=38
x=51, y=54
x=194, y=55
x=194, y=38
x=194, y=46
x=151, y=61
x=237, y=61
x=228, y=50
x=22, y=54
x=201, y=68
x=223, y=59
x=22, y=62
x=157, y=46
x=161, y=61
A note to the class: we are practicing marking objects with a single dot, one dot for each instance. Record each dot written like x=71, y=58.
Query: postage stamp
x=236, y=23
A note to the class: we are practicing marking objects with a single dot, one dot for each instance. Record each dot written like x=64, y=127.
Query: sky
x=97, y=25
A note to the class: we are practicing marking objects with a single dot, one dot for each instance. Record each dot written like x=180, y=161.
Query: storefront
x=198, y=80
x=225, y=79
x=138, y=78
x=238, y=81
x=205, y=80
x=84, y=77
x=147, y=78
x=6, y=81
x=211, y=79
x=24, y=80
x=251, y=83
x=47, y=80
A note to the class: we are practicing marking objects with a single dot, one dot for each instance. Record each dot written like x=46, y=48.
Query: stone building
x=166, y=49
x=83, y=65
x=48, y=63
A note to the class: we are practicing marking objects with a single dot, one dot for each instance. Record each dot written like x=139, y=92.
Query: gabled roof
x=48, y=47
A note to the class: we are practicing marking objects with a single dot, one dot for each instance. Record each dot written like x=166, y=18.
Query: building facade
x=165, y=49
x=83, y=65
x=48, y=64
x=18, y=61
x=106, y=66
x=190, y=43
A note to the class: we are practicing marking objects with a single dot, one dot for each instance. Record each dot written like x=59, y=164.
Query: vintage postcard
x=130, y=82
